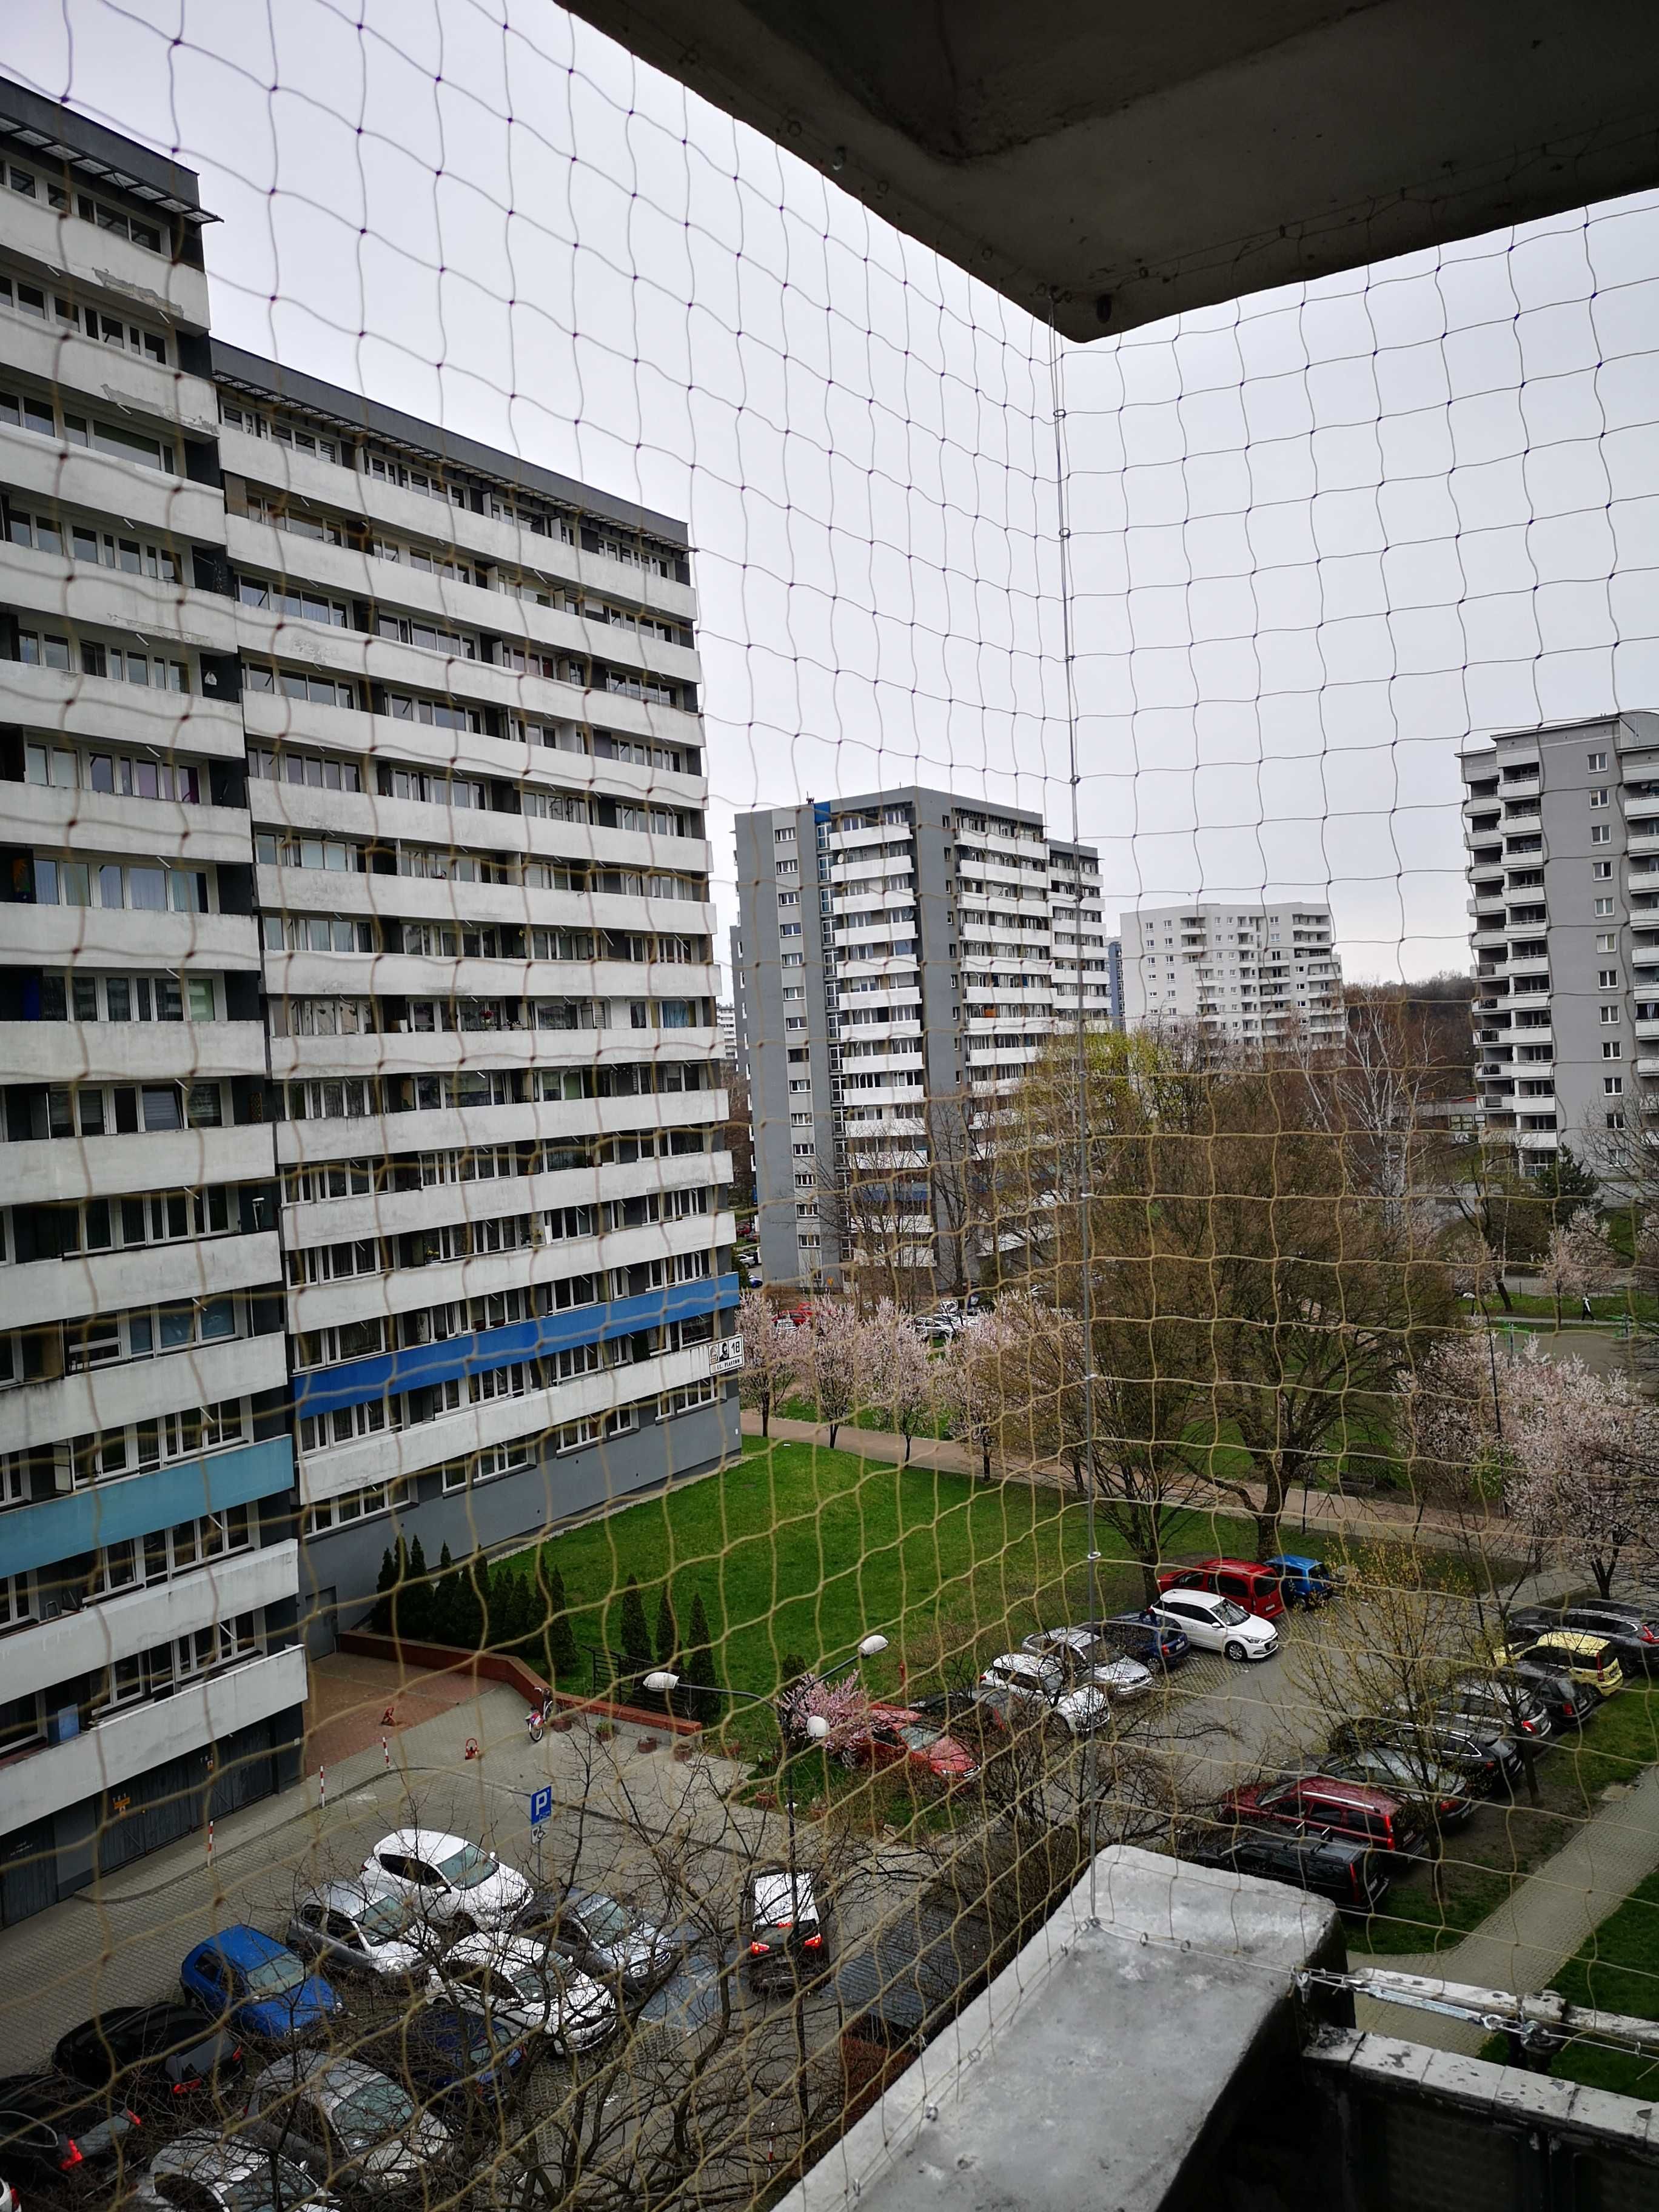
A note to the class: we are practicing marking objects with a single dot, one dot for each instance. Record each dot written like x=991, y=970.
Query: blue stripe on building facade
x=325, y=1388
x=131, y=1505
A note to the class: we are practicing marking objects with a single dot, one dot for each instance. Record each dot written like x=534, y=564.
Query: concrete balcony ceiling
x=1127, y=166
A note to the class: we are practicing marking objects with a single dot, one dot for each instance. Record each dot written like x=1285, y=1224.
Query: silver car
x=529, y=1989
x=346, y=2124
x=356, y=1927
x=1086, y=1659
x=238, y=2175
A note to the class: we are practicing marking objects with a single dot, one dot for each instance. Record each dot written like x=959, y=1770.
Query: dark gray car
x=1632, y=1629
x=606, y=1939
x=349, y=2126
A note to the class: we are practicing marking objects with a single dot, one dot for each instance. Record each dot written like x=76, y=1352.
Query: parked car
x=1047, y=1684
x=353, y=1927
x=785, y=1929
x=258, y=1985
x=1439, y=1793
x=1588, y=1659
x=1632, y=1630
x=1358, y=1810
x=453, y=2052
x=1217, y=1624
x=608, y=1940
x=448, y=1881
x=1494, y=1701
x=153, y=2055
x=61, y=2133
x=1084, y=1659
x=1486, y=1761
x=936, y=1328
x=894, y=1735
x=1568, y=1704
x=205, y=2172
x=348, y=2125
x=974, y=1711
x=516, y=1979
x=1154, y=1642
x=1305, y=1581
x=1350, y=1874
x=1257, y=1588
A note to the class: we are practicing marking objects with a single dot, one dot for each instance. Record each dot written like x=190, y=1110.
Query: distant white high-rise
x=1251, y=974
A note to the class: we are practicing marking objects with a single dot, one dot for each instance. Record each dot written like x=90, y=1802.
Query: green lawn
x=1617, y=1971
x=799, y=1550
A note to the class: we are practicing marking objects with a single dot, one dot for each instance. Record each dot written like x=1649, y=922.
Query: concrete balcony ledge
x=98, y=1634
x=448, y=1128
x=80, y=476
x=131, y=1052
x=140, y=1390
x=127, y=714
x=105, y=821
x=108, y=1167
x=127, y=1742
x=1103, y=2066
x=106, y=1282
x=125, y=938
x=151, y=284
x=53, y=1529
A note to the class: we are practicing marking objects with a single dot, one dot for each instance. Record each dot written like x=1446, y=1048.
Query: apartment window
x=1606, y=978
x=1609, y=1015
x=1613, y=1085
x=783, y=836
x=295, y=683
x=1597, y=763
x=1615, y=1120
x=1601, y=872
x=1600, y=833
x=357, y=1505
x=1612, y=1048
x=1604, y=907
x=1607, y=943
x=685, y=1401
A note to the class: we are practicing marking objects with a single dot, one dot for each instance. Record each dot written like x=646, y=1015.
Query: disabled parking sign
x=541, y=1806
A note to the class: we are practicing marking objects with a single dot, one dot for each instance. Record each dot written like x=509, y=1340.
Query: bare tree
x=1578, y=1259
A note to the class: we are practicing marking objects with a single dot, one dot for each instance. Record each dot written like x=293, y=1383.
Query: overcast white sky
x=1318, y=536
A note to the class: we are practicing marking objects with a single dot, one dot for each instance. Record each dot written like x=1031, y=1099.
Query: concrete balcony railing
x=463, y=1128
x=131, y=1052
x=101, y=264
x=128, y=1742
x=58, y=1169
x=98, y=1633
x=45, y=1291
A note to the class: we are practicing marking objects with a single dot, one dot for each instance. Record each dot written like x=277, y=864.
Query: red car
x=1257, y=1588
x=897, y=1736
x=1322, y=1805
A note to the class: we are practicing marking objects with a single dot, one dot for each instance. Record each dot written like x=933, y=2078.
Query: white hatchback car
x=450, y=1883
x=1043, y=1683
x=528, y=1989
x=1216, y=1624
x=1084, y=1658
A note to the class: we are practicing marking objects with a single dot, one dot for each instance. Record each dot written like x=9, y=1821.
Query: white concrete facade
x=143, y=1370
x=1246, y=975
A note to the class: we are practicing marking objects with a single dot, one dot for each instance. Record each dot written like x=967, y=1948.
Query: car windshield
x=467, y=1867
x=370, y=2114
x=532, y=1988
x=383, y=1919
x=1230, y=1614
x=262, y=2191
x=918, y=1734
x=273, y=1976
x=606, y=1920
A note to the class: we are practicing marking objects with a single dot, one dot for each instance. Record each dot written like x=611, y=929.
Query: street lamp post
x=659, y=1682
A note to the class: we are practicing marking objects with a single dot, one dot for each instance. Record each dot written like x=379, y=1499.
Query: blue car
x=1305, y=1581
x=259, y=1985
x=451, y=2051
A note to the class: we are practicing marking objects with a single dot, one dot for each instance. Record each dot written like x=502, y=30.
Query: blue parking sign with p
x=541, y=1806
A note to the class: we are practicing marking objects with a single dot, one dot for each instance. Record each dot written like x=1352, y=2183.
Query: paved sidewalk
x=1319, y=1510
x=1546, y=1917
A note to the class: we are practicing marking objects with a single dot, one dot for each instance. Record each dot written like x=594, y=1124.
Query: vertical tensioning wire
x=1080, y=1039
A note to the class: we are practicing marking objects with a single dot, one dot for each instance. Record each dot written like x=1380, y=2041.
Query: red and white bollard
x=385, y=1749
x=322, y=1789
x=210, y=1846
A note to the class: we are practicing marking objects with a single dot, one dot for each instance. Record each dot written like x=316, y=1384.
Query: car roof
x=422, y=1842
x=1020, y=1662
x=771, y=1891
x=1210, y=1599
x=1360, y=1795
x=347, y=1896
x=203, y=2151
x=498, y=1950
x=339, y=2075
x=1578, y=1640
x=244, y=1946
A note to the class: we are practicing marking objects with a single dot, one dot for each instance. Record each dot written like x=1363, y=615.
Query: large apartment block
x=151, y=1667
x=1246, y=975
x=894, y=966
x=1561, y=827
x=360, y=1174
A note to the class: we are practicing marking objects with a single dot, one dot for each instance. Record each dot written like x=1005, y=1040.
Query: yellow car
x=1588, y=1659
